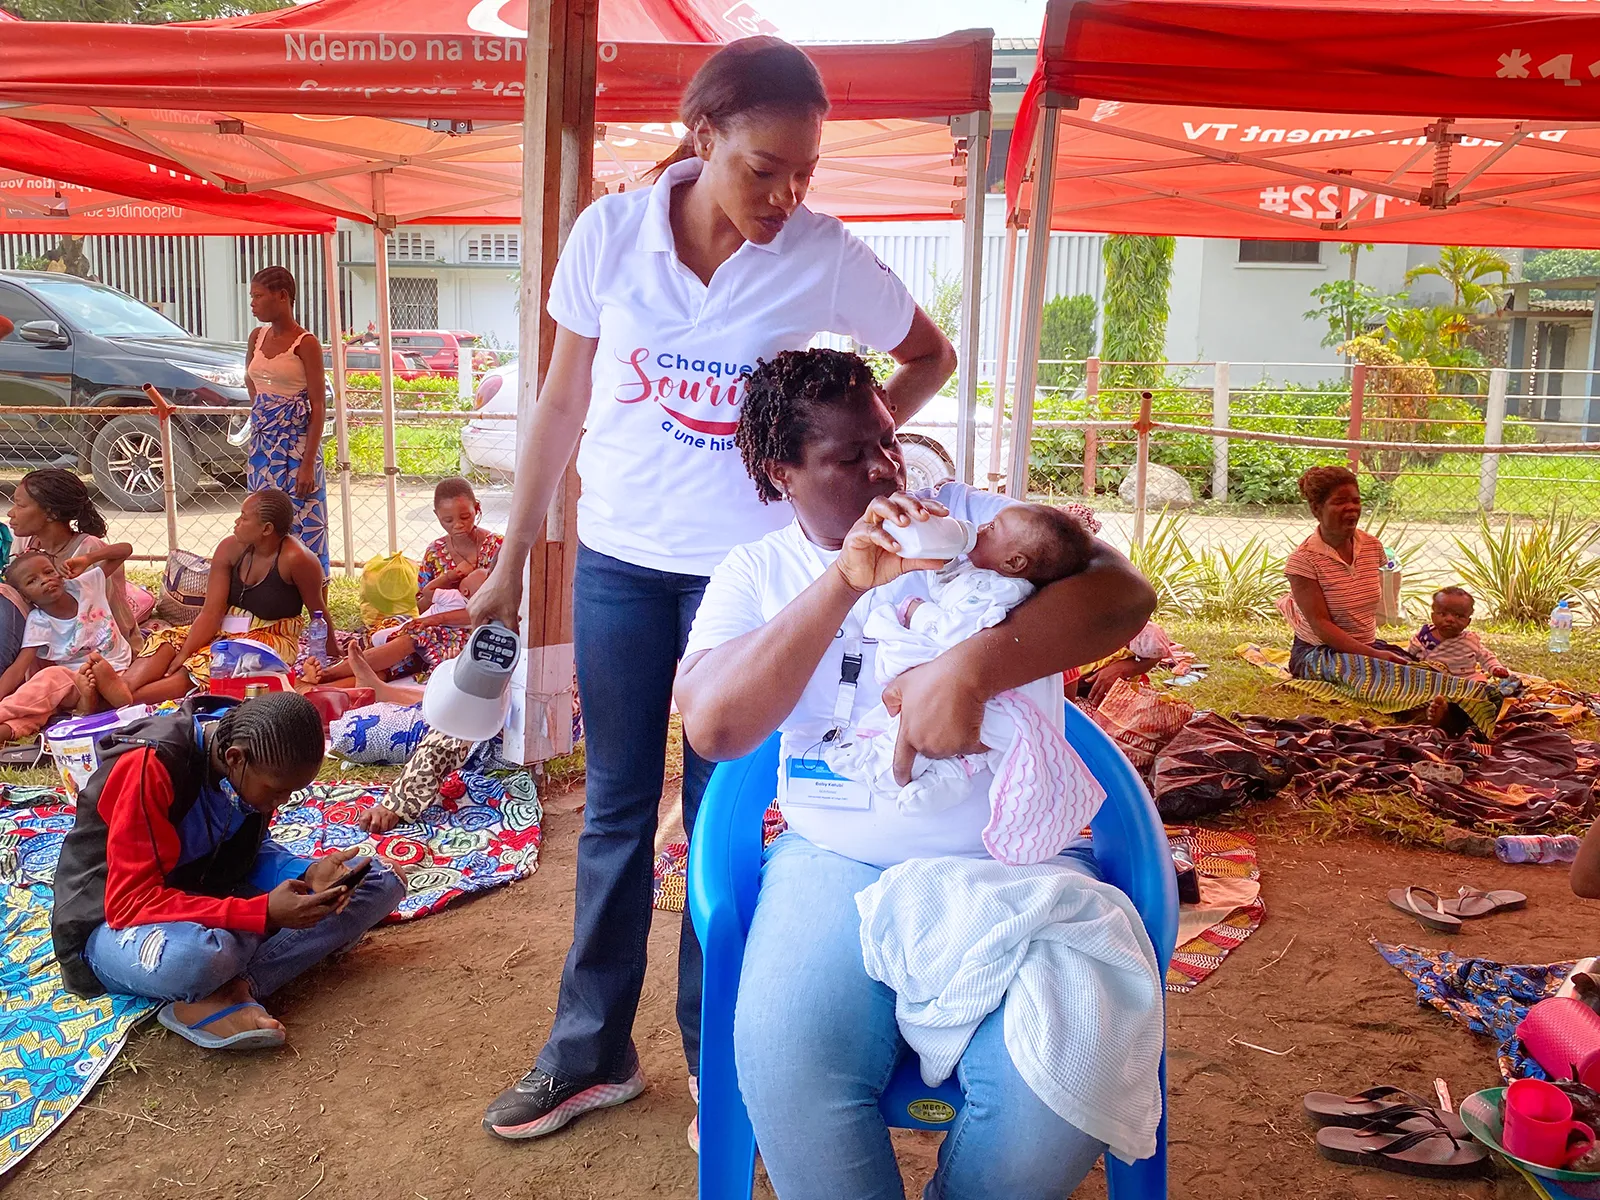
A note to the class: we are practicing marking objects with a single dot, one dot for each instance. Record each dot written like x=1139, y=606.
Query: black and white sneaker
x=539, y=1104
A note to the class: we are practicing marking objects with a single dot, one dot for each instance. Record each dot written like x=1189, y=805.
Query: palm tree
x=1465, y=268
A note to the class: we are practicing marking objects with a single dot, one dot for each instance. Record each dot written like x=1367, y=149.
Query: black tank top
x=273, y=598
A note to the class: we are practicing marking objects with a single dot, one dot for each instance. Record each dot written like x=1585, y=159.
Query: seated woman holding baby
x=796, y=633
x=453, y=567
x=1335, y=592
x=263, y=582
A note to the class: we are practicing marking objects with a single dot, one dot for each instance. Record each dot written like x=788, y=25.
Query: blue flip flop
x=246, y=1039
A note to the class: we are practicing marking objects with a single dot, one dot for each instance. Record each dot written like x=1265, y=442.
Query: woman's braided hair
x=276, y=507
x=276, y=279
x=65, y=497
x=781, y=397
x=281, y=729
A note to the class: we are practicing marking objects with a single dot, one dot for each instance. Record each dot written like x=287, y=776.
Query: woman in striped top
x=1335, y=588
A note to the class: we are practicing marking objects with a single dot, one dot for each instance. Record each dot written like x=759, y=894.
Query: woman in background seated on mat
x=262, y=584
x=1335, y=590
x=454, y=567
x=815, y=1038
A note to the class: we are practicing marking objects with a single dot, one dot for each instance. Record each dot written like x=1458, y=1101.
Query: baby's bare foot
x=311, y=672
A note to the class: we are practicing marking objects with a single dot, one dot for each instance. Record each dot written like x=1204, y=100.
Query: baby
x=1038, y=778
x=1448, y=645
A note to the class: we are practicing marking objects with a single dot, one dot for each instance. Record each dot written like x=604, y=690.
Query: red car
x=441, y=348
x=361, y=361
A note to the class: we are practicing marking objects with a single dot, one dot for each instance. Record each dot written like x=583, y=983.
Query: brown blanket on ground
x=1531, y=776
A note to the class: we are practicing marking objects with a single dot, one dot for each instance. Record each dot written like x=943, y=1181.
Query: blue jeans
x=816, y=1042
x=629, y=626
x=183, y=960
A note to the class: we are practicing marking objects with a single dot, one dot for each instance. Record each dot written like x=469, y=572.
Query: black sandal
x=1365, y=1108
x=1432, y=1152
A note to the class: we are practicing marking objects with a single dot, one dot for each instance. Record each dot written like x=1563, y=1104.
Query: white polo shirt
x=755, y=583
x=663, y=483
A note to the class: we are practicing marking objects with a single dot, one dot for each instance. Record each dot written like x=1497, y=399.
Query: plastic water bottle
x=937, y=537
x=1560, y=629
x=1537, y=848
x=317, y=635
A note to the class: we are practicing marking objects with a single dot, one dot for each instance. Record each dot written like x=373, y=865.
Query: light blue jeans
x=816, y=1042
x=183, y=960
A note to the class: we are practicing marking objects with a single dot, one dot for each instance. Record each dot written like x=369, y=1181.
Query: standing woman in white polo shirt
x=664, y=300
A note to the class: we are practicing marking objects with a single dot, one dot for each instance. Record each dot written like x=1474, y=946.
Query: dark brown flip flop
x=1473, y=902
x=1431, y=1152
x=1424, y=905
x=1352, y=1112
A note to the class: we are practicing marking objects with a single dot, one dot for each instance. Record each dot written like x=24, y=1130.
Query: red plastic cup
x=1538, y=1125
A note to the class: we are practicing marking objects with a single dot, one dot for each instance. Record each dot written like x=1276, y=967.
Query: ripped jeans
x=183, y=960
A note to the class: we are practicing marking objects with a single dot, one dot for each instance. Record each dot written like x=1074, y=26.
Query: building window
x=494, y=248
x=1299, y=253
x=414, y=303
x=411, y=245
x=994, y=179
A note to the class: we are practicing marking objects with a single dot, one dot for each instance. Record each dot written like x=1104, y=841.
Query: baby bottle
x=938, y=537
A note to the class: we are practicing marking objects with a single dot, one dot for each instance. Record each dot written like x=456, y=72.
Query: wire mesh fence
x=1445, y=458
x=118, y=452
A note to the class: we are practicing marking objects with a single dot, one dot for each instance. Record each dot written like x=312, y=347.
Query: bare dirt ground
x=395, y=1050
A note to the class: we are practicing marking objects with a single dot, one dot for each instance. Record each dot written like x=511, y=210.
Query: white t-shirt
x=663, y=483
x=751, y=586
x=67, y=641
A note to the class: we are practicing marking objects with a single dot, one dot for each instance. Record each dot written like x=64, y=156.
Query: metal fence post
x=1141, y=468
x=1494, y=423
x=1091, y=435
x=169, y=481
x=1219, y=445
x=381, y=228
x=341, y=415
x=1358, y=395
x=464, y=375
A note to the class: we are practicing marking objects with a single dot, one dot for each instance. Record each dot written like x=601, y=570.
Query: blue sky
x=892, y=20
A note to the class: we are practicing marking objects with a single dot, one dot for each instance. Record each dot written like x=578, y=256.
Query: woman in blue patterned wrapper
x=285, y=378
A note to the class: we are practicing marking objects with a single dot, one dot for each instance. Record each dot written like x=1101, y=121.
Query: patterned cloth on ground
x=54, y=1046
x=1531, y=776
x=1488, y=997
x=1222, y=857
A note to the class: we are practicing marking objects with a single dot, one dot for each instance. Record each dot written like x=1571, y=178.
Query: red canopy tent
x=1250, y=118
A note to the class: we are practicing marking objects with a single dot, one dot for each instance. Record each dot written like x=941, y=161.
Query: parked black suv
x=90, y=346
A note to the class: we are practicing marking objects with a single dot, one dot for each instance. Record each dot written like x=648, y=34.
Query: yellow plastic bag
x=388, y=588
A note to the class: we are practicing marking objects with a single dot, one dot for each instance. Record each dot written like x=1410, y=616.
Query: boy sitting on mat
x=169, y=887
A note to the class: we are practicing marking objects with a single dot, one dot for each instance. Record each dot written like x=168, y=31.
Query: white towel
x=1085, y=1017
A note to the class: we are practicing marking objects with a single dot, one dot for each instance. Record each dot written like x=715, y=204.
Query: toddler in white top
x=1042, y=793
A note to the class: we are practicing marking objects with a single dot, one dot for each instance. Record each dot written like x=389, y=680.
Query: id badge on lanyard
x=808, y=780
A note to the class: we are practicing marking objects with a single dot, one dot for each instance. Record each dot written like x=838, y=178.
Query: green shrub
x=1524, y=570
x=1066, y=331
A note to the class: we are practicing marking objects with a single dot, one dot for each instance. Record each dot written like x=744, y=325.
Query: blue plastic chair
x=725, y=875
